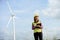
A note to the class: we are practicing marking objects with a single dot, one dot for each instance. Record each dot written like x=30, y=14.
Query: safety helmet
x=36, y=14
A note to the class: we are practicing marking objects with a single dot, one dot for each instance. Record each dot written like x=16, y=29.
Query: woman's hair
x=35, y=19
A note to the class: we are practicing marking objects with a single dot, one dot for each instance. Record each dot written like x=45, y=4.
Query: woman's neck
x=36, y=21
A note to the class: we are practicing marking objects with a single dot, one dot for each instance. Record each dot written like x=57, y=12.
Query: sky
x=49, y=14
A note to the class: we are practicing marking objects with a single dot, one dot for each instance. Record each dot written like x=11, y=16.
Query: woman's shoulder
x=33, y=22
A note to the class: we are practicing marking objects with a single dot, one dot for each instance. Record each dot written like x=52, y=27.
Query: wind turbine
x=11, y=18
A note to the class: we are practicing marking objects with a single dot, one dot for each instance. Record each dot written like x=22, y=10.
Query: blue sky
x=24, y=11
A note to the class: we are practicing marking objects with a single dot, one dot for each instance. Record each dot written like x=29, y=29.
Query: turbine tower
x=12, y=17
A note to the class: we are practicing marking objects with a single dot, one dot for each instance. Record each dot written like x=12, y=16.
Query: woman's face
x=36, y=18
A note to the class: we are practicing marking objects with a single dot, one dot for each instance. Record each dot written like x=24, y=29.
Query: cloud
x=21, y=11
x=53, y=9
x=51, y=32
x=36, y=11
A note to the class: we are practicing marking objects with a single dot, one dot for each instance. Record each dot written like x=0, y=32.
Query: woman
x=37, y=27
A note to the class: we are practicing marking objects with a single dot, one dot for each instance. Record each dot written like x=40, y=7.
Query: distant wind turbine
x=12, y=17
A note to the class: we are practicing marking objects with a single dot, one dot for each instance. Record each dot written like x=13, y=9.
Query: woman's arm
x=41, y=26
x=33, y=27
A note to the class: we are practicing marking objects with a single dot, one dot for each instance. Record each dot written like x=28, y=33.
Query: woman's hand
x=37, y=25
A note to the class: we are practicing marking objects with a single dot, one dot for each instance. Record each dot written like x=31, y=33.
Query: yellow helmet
x=36, y=14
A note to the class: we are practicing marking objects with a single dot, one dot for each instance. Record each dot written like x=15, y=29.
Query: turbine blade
x=9, y=8
x=17, y=17
x=9, y=21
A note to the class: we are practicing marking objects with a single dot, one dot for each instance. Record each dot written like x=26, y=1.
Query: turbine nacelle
x=13, y=15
